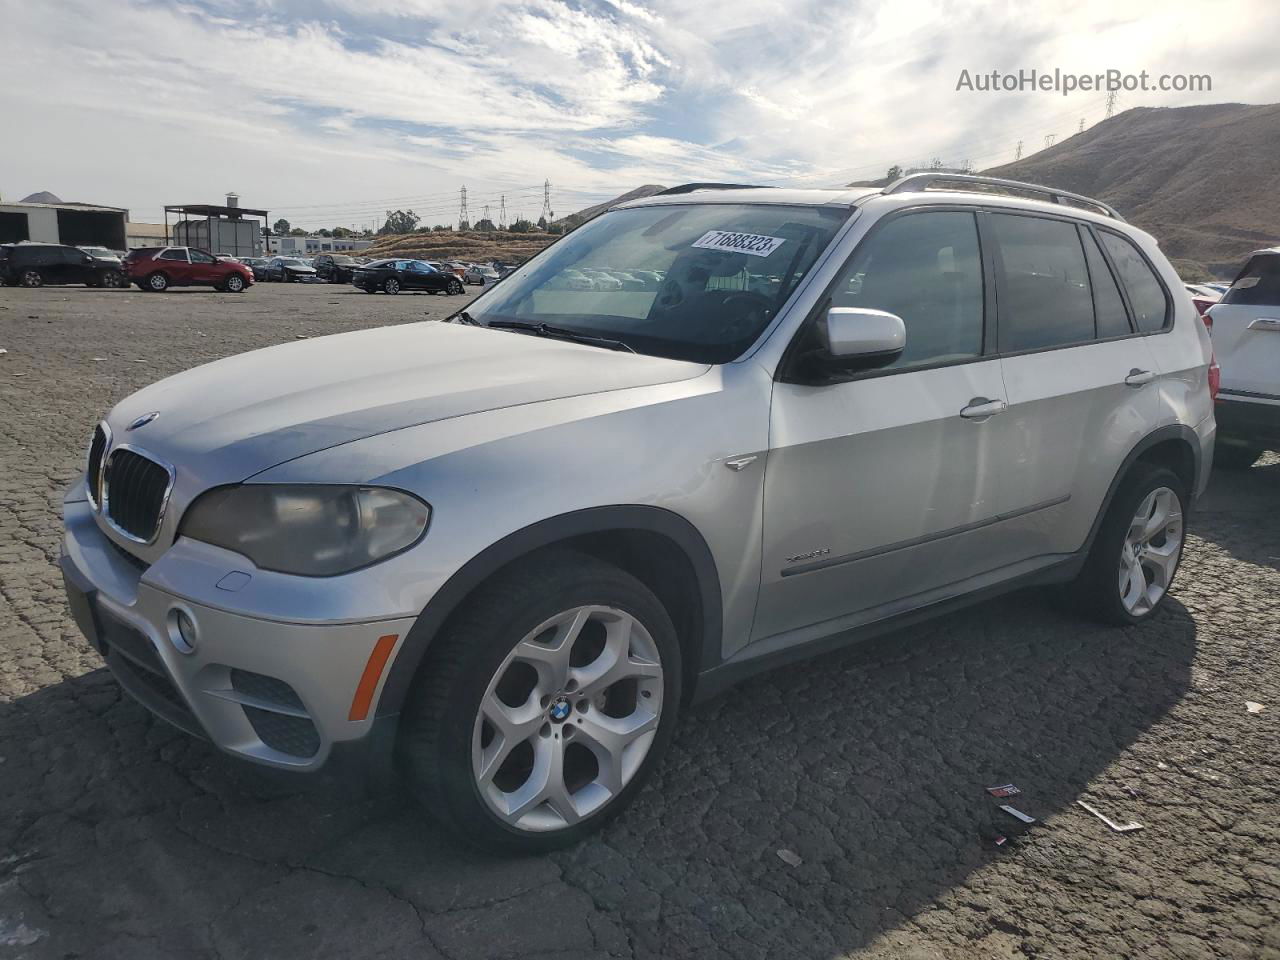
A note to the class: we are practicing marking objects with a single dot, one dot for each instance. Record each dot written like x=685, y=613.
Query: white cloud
x=322, y=102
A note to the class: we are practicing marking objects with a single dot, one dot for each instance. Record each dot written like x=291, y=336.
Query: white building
x=75, y=224
x=287, y=246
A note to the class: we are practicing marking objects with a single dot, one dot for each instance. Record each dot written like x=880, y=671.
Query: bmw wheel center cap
x=560, y=709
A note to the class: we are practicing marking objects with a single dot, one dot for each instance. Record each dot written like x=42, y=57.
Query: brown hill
x=1204, y=180
x=474, y=246
x=582, y=216
x=470, y=246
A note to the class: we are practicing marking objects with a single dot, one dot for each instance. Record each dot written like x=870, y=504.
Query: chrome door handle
x=980, y=408
x=1265, y=325
x=1137, y=378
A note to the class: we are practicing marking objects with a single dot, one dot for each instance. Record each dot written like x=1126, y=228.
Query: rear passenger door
x=176, y=266
x=1079, y=374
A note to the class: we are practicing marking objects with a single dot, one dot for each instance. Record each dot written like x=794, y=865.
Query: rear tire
x=31, y=278
x=1230, y=456
x=157, y=282
x=558, y=593
x=1132, y=563
x=113, y=279
x=391, y=285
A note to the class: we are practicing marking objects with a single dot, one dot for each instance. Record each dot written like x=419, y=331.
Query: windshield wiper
x=463, y=317
x=559, y=333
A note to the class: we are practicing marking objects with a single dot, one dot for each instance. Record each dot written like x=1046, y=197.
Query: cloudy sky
x=329, y=111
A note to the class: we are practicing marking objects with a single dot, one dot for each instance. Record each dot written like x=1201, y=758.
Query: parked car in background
x=156, y=269
x=288, y=270
x=45, y=264
x=1202, y=296
x=479, y=274
x=258, y=265
x=335, y=268
x=1218, y=288
x=1245, y=325
x=510, y=549
x=392, y=276
x=103, y=253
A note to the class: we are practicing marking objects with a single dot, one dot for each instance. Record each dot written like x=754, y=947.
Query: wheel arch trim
x=547, y=533
x=1174, y=431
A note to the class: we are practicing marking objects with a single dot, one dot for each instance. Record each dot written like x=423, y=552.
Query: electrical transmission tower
x=1111, y=104
x=1049, y=139
x=463, y=221
x=547, y=215
x=485, y=213
x=1017, y=151
x=502, y=213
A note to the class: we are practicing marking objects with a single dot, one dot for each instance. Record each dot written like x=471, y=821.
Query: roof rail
x=923, y=181
x=690, y=187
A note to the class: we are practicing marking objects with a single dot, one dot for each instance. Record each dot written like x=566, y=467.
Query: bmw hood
x=228, y=420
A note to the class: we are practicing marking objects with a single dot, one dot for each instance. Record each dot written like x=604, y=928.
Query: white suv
x=509, y=548
x=1246, y=336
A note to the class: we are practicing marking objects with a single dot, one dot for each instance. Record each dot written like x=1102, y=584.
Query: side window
x=1043, y=299
x=1108, y=305
x=1150, y=304
x=198, y=256
x=174, y=254
x=926, y=268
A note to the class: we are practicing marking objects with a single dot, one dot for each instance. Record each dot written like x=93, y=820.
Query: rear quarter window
x=1146, y=293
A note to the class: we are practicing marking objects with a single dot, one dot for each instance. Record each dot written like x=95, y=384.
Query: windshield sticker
x=749, y=243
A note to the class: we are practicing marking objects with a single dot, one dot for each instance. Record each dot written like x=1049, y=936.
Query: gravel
x=120, y=837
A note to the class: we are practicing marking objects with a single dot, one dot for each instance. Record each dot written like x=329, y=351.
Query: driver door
x=884, y=488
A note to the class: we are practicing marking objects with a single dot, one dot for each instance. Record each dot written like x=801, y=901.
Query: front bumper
x=275, y=692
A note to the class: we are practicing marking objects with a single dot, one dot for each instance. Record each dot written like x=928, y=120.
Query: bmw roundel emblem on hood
x=143, y=420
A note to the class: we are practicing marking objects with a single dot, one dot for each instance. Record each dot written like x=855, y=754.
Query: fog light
x=182, y=631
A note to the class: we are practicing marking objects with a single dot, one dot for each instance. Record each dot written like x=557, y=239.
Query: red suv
x=159, y=268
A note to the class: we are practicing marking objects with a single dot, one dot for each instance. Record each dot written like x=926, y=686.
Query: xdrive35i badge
x=143, y=420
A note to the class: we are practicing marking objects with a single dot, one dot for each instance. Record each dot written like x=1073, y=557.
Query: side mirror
x=854, y=338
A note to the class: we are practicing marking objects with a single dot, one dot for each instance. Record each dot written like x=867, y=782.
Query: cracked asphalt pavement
x=120, y=837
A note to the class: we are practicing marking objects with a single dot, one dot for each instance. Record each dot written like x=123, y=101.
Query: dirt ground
x=122, y=838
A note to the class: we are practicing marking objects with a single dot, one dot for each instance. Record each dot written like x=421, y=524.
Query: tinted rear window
x=1146, y=293
x=1258, y=283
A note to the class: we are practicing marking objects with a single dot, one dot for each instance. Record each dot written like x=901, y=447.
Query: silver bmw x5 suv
x=504, y=551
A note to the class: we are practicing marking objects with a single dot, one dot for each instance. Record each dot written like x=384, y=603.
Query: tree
x=324, y=232
x=484, y=226
x=464, y=224
x=281, y=227
x=400, y=221
x=442, y=228
x=895, y=173
x=521, y=226
x=342, y=233
x=297, y=232
x=542, y=223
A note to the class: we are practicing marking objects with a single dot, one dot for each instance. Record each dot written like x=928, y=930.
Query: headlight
x=316, y=531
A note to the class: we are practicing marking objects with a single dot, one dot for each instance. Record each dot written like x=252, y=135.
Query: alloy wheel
x=567, y=719
x=1151, y=551
x=32, y=278
x=235, y=283
x=392, y=286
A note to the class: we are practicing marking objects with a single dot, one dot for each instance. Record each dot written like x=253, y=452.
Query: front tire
x=31, y=278
x=391, y=285
x=234, y=284
x=543, y=705
x=1135, y=556
x=454, y=288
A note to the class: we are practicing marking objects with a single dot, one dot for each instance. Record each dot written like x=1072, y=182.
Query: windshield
x=688, y=281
